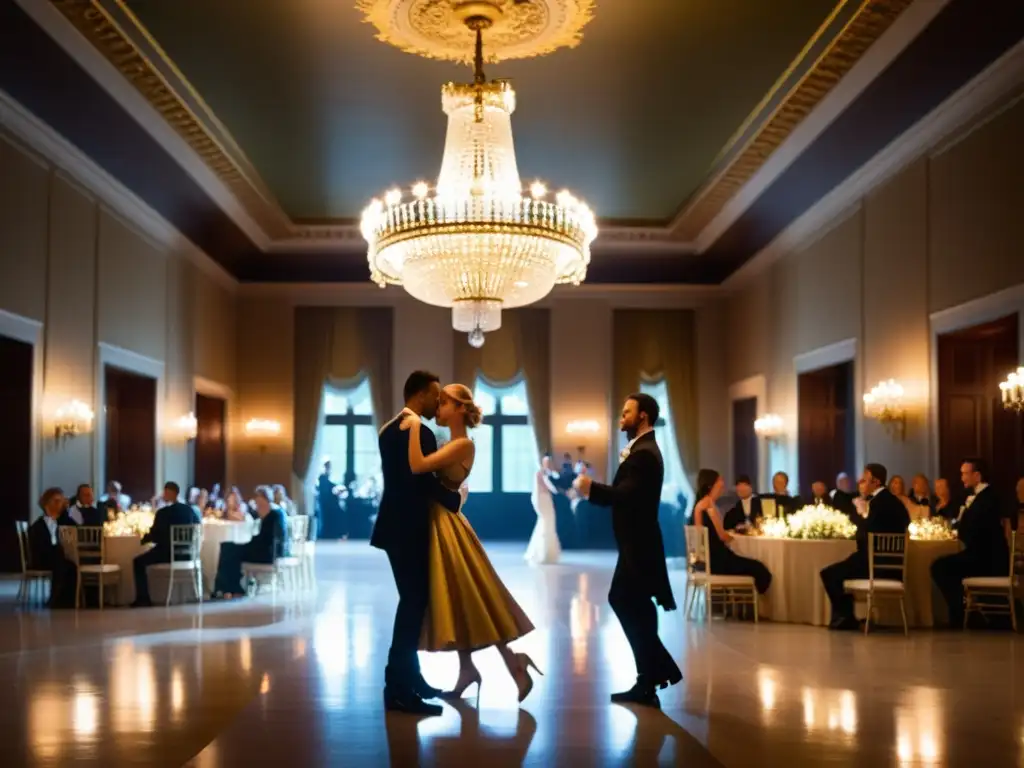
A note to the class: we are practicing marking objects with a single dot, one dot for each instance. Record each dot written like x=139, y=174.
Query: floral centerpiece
x=811, y=522
x=932, y=529
x=135, y=522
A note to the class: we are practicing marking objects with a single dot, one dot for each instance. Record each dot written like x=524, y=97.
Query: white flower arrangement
x=932, y=529
x=135, y=522
x=811, y=522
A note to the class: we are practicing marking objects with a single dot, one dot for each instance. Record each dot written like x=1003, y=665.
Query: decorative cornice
x=866, y=25
x=119, y=46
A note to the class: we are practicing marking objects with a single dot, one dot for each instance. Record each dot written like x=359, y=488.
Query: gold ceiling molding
x=436, y=29
x=117, y=46
x=866, y=25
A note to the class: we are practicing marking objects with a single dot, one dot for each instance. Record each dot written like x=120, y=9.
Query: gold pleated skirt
x=470, y=608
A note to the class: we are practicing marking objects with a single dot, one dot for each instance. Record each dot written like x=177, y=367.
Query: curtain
x=661, y=344
x=521, y=347
x=337, y=346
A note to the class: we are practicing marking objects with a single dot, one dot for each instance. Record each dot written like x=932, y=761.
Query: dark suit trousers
x=411, y=569
x=229, y=569
x=64, y=580
x=833, y=576
x=948, y=572
x=634, y=608
x=142, y=562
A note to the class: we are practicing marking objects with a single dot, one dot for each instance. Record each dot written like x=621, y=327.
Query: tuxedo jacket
x=403, y=518
x=842, y=501
x=735, y=516
x=981, y=531
x=886, y=514
x=634, y=496
x=160, y=534
x=43, y=554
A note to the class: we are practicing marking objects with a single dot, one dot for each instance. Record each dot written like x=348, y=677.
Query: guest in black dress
x=265, y=547
x=722, y=560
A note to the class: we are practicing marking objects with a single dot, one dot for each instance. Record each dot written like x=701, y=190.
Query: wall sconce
x=769, y=426
x=72, y=419
x=1012, y=391
x=188, y=426
x=262, y=429
x=582, y=427
x=884, y=403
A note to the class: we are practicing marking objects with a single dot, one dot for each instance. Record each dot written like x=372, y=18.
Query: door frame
x=211, y=388
x=966, y=315
x=845, y=351
x=30, y=332
x=757, y=388
x=118, y=357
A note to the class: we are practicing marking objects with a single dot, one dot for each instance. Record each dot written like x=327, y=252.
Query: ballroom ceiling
x=633, y=119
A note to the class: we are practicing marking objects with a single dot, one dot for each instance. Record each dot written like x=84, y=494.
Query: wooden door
x=825, y=424
x=972, y=420
x=210, y=450
x=744, y=440
x=16, y=362
x=130, y=419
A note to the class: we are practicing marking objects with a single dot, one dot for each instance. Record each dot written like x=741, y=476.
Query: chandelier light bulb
x=538, y=190
x=393, y=197
x=420, y=190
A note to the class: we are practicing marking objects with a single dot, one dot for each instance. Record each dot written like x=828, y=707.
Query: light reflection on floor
x=285, y=680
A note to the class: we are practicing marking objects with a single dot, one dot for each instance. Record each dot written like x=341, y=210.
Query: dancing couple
x=449, y=596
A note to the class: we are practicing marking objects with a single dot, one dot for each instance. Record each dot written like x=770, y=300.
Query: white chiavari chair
x=887, y=572
x=33, y=580
x=85, y=546
x=186, y=547
x=731, y=590
x=1005, y=587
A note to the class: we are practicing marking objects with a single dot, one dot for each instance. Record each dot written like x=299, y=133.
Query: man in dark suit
x=45, y=552
x=271, y=542
x=886, y=514
x=84, y=510
x=784, y=503
x=174, y=512
x=842, y=497
x=641, y=572
x=747, y=510
x=980, y=529
x=402, y=530
x=819, y=494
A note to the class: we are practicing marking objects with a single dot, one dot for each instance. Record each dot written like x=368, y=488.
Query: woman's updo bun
x=461, y=394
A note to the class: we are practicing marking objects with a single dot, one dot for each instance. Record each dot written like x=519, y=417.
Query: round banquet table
x=121, y=550
x=215, y=533
x=798, y=597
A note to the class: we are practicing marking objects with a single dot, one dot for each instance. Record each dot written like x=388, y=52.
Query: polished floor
x=284, y=680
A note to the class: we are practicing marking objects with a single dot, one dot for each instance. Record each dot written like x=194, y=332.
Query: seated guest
x=282, y=500
x=860, y=503
x=45, y=552
x=980, y=530
x=234, y=509
x=921, y=493
x=819, y=494
x=266, y=546
x=747, y=510
x=784, y=503
x=843, y=496
x=723, y=561
x=886, y=514
x=113, y=499
x=84, y=510
x=898, y=488
x=944, y=506
x=173, y=512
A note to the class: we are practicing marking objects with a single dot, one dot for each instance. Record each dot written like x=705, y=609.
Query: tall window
x=349, y=438
x=506, y=447
x=675, y=482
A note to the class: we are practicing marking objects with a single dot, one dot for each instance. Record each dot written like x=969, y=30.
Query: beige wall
x=92, y=279
x=581, y=370
x=943, y=231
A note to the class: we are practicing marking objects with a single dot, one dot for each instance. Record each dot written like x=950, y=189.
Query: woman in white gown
x=544, y=547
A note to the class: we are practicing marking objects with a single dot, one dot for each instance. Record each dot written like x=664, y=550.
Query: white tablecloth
x=797, y=595
x=121, y=550
x=215, y=534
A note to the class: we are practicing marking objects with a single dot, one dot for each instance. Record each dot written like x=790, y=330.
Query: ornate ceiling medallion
x=519, y=29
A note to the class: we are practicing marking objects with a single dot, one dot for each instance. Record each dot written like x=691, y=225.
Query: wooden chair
x=733, y=590
x=33, y=580
x=85, y=546
x=887, y=572
x=186, y=545
x=997, y=586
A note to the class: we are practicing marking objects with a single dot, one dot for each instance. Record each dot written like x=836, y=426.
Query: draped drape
x=520, y=347
x=337, y=346
x=661, y=344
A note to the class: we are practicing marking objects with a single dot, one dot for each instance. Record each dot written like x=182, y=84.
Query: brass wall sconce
x=188, y=426
x=1012, y=391
x=769, y=427
x=72, y=419
x=885, y=404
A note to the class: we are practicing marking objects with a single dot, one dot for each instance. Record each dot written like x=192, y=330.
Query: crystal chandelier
x=478, y=242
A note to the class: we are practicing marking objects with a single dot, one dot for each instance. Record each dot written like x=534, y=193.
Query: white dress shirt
x=51, y=526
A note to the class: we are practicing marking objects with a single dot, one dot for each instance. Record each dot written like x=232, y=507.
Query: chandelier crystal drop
x=478, y=242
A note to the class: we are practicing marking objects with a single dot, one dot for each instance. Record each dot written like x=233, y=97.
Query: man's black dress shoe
x=426, y=691
x=641, y=693
x=409, y=703
x=844, y=624
x=670, y=677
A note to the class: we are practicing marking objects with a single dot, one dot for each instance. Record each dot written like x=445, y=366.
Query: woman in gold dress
x=470, y=608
